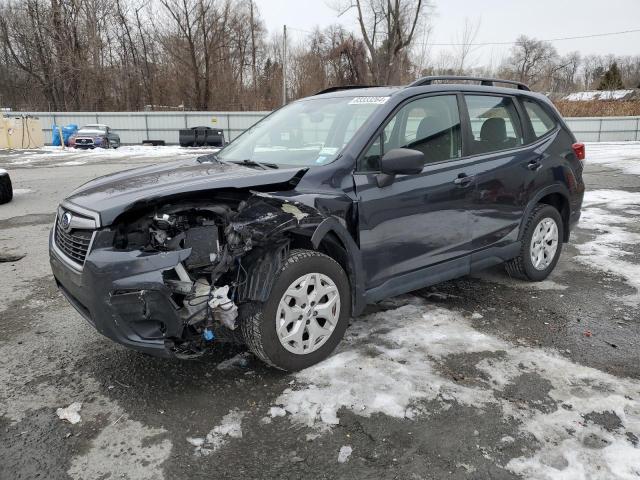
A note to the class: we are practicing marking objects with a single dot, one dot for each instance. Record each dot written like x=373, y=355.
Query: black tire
x=259, y=321
x=522, y=267
x=6, y=189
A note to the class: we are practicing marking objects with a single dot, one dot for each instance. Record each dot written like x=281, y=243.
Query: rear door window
x=495, y=124
x=541, y=121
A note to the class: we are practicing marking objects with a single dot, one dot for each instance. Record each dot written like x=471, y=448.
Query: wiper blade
x=253, y=163
x=211, y=157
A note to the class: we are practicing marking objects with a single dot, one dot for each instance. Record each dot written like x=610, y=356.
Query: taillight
x=579, y=150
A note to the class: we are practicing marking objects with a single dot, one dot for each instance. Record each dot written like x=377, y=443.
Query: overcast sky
x=500, y=21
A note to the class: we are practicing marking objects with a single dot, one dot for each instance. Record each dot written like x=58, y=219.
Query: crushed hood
x=113, y=194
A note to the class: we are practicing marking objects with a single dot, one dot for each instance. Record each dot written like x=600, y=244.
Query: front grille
x=74, y=244
x=84, y=141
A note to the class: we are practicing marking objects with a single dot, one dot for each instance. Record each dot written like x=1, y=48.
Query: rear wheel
x=305, y=316
x=6, y=189
x=541, y=245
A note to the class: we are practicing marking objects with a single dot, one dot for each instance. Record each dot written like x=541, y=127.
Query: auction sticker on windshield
x=369, y=101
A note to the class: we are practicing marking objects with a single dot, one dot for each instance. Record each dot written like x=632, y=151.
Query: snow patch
x=345, y=453
x=21, y=191
x=503, y=279
x=124, y=449
x=71, y=413
x=624, y=156
x=277, y=412
x=390, y=363
x=384, y=367
x=603, y=213
x=230, y=427
x=72, y=163
x=589, y=95
x=54, y=156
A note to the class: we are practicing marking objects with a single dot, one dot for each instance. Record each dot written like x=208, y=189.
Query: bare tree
x=217, y=55
x=465, y=41
x=529, y=59
x=388, y=28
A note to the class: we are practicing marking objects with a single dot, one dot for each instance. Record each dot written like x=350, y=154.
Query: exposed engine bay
x=235, y=248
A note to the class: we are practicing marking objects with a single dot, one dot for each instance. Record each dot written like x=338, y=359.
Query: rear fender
x=555, y=188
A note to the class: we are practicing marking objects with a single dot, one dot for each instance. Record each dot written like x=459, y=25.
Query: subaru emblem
x=65, y=221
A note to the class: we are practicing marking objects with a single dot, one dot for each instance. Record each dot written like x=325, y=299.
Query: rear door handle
x=463, y=180
x=534, y=165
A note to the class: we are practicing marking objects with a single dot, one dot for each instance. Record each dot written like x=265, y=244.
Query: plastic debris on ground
x=241, y=360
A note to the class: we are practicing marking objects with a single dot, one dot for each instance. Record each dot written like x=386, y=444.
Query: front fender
x=354, y=258
x=267, y=218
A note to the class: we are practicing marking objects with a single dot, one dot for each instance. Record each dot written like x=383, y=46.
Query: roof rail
x=344, y=87
x=454, y=78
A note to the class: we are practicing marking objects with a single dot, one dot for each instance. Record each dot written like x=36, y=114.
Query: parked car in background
x=6, y=189
x=92, y=136
x=332, y=202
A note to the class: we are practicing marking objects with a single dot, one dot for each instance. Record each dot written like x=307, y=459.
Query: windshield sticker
x=369, y=101
x=328, y=151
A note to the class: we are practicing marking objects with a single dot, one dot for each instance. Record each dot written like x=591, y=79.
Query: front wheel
x=541, y=245
x=305, y=316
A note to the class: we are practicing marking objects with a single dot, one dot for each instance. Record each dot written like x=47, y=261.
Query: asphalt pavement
x=481, y=377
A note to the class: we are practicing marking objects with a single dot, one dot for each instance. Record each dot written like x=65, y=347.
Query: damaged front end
x=175, y=278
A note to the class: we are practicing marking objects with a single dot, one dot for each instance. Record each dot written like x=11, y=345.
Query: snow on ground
x=605, y=212
x=55, y=156
x=589, y=95
x=390, y=363
x=230, y=427
x=21, y=191
x=124, y=449
x=624, y=156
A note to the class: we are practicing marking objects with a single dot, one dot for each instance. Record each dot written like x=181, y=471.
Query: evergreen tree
x=612, y=79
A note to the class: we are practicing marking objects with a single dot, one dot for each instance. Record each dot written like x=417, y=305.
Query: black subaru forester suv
x=328, y=204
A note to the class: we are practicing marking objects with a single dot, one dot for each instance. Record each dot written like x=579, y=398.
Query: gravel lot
x=482, y=377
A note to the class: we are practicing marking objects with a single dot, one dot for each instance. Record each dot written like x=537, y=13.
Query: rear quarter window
x=541, y=121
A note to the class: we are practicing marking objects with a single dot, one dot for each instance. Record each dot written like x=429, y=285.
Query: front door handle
x=534, y=165
x=463, y=180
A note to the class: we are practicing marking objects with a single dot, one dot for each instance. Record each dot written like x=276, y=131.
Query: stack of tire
x=6, y=190
x=201, y=137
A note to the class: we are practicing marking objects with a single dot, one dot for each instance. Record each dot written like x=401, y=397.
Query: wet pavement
x=482, y=377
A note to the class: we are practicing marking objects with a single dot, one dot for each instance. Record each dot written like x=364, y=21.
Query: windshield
x=304, y=133
x=91, y=130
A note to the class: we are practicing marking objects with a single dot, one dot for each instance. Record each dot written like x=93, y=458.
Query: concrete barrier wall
x=134, y=127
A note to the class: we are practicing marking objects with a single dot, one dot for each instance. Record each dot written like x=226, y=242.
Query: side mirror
x=399, y=161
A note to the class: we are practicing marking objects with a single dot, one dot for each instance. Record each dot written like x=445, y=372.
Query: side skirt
x=442, y=272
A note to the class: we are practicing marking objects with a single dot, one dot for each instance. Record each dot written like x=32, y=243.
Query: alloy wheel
x=544, y=243
x=308, y=313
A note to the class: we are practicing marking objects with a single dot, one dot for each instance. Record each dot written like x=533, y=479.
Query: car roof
x=360, y=92
x=407, y=91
